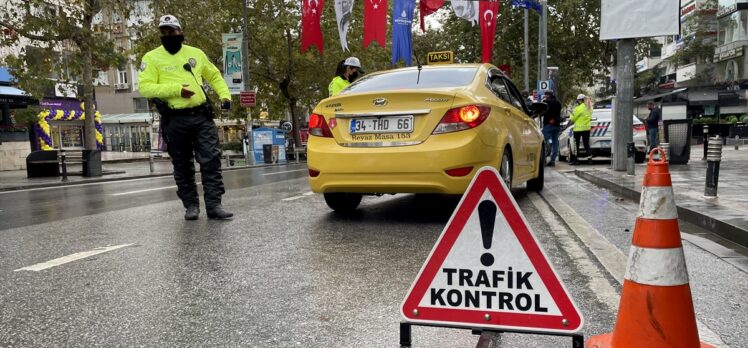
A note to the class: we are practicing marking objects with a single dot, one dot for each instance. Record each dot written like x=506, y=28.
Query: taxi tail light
x=461, y=118
x=318, y=126
x=313, y=173
x=459, y=171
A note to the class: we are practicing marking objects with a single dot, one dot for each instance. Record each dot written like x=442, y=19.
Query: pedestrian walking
x=581, y=116
x=653, y=124
x=172, y=76
x=348, y=70
x=552, y=125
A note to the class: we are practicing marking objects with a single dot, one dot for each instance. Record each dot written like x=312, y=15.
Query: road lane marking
x=297, y=197
x=83, y=184
x=287, y=171
x=146, y=190
x=612, y=259
x=70, y=258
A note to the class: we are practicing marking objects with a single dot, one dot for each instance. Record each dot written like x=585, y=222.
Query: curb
x=721, y=228
x=100, y=180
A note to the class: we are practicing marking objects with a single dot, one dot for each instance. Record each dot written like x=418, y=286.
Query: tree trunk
x=88, y=89
x=295, y=122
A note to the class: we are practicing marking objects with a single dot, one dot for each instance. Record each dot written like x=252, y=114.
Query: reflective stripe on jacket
x=161, y=75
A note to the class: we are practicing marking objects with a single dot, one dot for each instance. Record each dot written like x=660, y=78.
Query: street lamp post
x=250, y=156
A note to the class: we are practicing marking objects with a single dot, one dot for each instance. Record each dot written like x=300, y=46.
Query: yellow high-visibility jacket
x=161, y=75
x=336, y=85
x=582, y=117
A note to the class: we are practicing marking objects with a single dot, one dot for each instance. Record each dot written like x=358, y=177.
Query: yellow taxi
x=422, y=130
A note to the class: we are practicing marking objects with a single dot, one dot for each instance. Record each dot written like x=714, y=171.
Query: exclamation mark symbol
x=487, y=216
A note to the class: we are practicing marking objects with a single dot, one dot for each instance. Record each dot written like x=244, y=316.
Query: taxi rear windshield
x=410, y=79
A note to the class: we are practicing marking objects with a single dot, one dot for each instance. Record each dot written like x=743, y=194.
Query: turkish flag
x=428, y=7
x=311, y=34
x=375, y=22
x=488, y=13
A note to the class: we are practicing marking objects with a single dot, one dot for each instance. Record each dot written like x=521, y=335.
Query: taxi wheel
x=537, y=183
x=506, y=169
x=343, y=201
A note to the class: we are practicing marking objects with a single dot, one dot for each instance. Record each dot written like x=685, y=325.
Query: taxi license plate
x=387, y=124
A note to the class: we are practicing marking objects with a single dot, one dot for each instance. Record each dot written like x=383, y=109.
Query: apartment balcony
x=686, y=75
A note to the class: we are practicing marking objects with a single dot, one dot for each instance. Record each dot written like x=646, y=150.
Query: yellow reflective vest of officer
x=582, y=117
x=336, y=85
x=162, y=75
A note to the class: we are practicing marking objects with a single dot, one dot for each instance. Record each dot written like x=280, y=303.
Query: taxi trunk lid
x=386, y=119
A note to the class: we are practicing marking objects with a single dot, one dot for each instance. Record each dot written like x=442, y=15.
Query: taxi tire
x=343, y=201
x=536, y=185
x=506, y=157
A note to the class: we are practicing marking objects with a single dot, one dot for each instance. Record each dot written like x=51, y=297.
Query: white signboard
x=232, y=62
x=639, y=18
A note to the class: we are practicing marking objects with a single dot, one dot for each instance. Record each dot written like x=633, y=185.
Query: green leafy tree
x=63, y=47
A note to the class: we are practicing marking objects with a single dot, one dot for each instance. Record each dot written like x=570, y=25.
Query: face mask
x=172, y=43
x=353, y=76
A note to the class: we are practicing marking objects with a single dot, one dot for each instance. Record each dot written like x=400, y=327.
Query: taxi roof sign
x=487, y=270
x=442, y=57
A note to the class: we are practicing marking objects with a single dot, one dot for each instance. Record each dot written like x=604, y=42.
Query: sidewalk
x=727, y=215
x=116, y=166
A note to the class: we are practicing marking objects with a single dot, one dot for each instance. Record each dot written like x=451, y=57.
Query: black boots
x=192, y=212
x=219, y=213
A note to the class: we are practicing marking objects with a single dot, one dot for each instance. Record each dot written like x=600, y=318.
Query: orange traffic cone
x=656, y=308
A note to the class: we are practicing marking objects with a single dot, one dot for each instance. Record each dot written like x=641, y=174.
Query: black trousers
x=585, y=136
x=188, y=137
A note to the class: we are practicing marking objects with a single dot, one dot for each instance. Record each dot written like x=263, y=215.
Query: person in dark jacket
x=653, y=124
x=552, y=125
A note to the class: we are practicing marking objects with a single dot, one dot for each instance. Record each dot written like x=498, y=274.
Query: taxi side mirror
x=538, y=109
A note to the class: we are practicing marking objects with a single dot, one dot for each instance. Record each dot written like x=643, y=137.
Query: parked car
x=422, y=130
x=601, y=136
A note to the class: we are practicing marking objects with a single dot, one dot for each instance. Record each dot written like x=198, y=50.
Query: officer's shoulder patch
x=193, y=62
x=142, y=67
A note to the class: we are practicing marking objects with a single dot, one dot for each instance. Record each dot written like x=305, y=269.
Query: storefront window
x=71, y=136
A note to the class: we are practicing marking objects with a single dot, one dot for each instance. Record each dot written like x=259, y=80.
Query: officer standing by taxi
x=581, y=116
x=172, y=77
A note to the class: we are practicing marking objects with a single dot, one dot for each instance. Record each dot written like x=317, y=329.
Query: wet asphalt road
x=286, y=272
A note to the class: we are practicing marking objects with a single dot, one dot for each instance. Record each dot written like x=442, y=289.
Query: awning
x=703, y=97
x=647, y=98
x=14, y=96
x=139, y=117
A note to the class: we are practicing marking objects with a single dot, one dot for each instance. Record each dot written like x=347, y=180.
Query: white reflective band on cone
x=657, y=203
x=662, y=267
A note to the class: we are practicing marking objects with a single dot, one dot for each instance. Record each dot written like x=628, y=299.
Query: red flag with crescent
x=428, y=7
x=375, y=22
x=311, y=34
x=489, y=11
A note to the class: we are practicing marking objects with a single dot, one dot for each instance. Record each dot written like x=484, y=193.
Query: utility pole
x=543, y=43
x=527, y=56
x=624, y=102
x=250, y=157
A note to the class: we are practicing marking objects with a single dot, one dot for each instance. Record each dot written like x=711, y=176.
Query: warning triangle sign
x=487, y=270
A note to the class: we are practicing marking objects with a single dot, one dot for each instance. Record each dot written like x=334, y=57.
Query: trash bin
x=267, y=153
x=92, y=163
x=678, y=135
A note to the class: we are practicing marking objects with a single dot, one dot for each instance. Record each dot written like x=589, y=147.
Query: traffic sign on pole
x=247, y=99
x=487, y=270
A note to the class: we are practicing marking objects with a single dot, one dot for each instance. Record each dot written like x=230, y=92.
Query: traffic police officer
x=172, y=76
